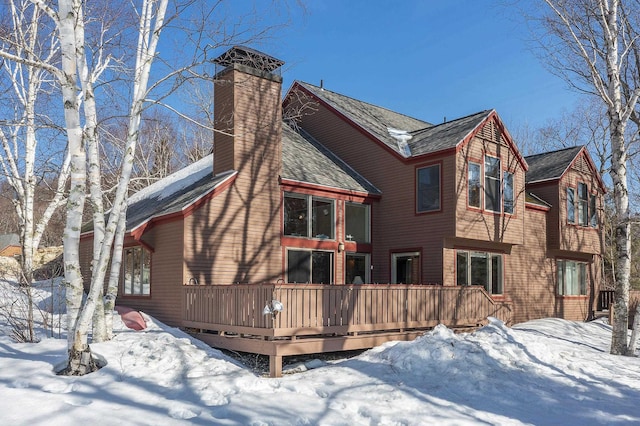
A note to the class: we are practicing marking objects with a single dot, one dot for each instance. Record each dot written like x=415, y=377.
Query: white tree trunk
x=26, y=78
x=591, y=33
x=69, y=21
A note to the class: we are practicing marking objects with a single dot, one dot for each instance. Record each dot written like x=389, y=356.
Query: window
x=307, y=266
x=474, y=184
x=480, y=268
x=428, y=188
x=307, y=216
x=593, y=212
x=508, y=198
x=357, y=268
x=357, y=222
x=405, y=268
x=492, y=183
x=571, y=209
x=572, y=278
x=136, y=271
x=583, y=202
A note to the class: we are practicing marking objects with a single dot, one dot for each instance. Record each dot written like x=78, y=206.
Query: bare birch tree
x=23, y=121
x=593, y=44
x=94, y=56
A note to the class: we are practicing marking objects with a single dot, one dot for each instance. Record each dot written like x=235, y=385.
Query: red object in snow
x=131, y=318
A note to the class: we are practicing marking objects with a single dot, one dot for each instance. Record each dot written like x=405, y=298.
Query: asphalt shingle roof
x=306, y=160
x=446, y=135
x=374, y=119
x=550, y=165
x=425, y=137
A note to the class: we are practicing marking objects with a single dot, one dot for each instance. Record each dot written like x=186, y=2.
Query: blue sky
x=429, y=59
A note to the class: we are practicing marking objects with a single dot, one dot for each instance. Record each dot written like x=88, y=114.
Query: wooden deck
x=327, y=318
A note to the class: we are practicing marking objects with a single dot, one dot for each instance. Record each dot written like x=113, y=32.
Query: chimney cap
x=249, y=57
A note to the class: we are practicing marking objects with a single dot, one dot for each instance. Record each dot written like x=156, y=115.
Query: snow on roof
x=175, y=182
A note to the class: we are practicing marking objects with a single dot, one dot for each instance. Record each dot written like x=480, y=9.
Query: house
x=10, y=245
x=324, y=223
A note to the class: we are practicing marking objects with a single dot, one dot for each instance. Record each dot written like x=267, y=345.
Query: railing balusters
x=328, y=308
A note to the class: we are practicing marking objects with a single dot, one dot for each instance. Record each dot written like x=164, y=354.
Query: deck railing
x=311, y=309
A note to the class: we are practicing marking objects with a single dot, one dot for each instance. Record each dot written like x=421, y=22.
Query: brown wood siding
x=166, y=274
x=166, y=241
x=548, y=191
x=395, y=225
x=86, y=253
x=235, y=237
x=481, y=224
x=530, y=275
x=574, y=237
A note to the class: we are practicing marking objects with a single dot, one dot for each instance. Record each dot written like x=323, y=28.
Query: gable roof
x=446, y=135
x=304, y=159
x=373, y=119
x=142, y=209
x=394, y=130
x=550, y=165
x=172, y=194
x=7, y=240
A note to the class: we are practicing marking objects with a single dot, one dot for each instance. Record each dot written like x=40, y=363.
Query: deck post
x=275, y=365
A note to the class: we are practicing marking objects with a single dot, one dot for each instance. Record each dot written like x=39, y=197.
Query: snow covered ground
x=542, y=372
